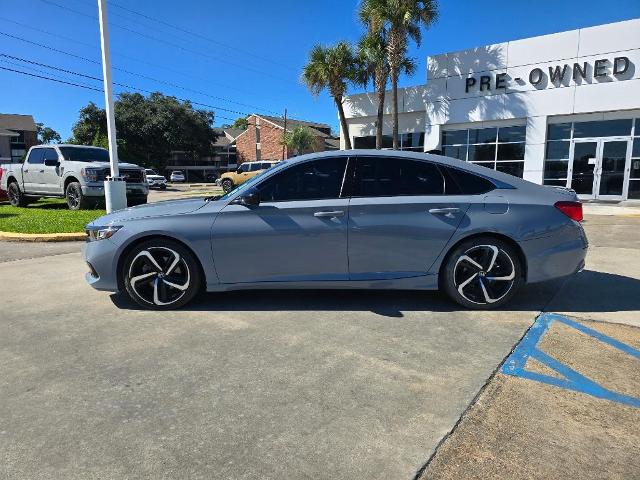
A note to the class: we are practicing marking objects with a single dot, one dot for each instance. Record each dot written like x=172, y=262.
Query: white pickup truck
x=73, y=172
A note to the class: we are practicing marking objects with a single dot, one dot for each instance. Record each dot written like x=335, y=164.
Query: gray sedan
x=348, y=219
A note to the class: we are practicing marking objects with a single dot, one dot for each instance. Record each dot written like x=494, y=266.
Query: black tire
x=482, y=273
x=227, y=185
x=76, y=200
x=164, y=289
x=163, y=186
x=16, y=197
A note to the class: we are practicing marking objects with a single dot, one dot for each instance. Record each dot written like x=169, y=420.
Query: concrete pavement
x=256, y=384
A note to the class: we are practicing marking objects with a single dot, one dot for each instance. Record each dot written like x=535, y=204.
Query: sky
x=236, y=57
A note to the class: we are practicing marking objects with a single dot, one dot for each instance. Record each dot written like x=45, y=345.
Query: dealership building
x=560, y=109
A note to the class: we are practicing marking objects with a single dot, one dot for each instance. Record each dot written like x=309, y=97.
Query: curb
x=41, y=237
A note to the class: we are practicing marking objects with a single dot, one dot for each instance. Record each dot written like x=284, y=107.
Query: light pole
x=115, y=188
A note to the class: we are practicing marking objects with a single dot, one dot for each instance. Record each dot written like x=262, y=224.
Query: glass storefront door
x=598, y=168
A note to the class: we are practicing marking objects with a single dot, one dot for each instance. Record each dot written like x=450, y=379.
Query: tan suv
x=245, y=171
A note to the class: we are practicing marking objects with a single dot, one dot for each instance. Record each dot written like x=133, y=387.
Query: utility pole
x=115, y=188
x=284, y=134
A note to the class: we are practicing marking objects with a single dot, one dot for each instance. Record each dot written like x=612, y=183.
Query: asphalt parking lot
x=260, y=384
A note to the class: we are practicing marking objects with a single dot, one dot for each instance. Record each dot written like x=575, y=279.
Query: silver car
x=348, y=219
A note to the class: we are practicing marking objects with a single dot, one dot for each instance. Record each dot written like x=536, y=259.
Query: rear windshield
x=84, y=154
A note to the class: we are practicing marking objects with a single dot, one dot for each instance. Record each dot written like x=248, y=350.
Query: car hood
x=158, y=209
x=155, y=177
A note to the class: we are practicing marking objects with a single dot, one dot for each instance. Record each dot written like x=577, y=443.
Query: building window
x=408, y=141
x=498, y=148
x=634, y=177
x=559, y=139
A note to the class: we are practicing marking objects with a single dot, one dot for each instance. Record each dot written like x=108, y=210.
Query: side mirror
x=250, y=198
x=239, y=170
x=50, y=162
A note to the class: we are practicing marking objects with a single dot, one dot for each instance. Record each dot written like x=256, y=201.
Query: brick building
x=262, y=140
x=18, y=133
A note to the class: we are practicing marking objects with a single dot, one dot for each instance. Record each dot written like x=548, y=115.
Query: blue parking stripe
x=528, y=348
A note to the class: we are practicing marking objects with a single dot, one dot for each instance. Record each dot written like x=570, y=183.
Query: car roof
x=493, y=175
x=71, y=145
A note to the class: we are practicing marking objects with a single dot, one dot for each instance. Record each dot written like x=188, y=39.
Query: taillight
x=573, y=210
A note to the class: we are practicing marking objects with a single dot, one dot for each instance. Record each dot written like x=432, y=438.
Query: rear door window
x=36, y=156
x=389, y=177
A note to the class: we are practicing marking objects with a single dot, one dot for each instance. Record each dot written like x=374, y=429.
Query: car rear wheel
x=482, y=273
x=227, y=185
x=16, y=198
x=161, y=275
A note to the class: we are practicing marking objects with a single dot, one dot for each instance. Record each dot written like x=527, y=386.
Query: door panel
x=611, y=167
x=584, y=165
x=398, y=237
x=49, y=175
x=282, y=241
x=399, y=217
x=31, y=170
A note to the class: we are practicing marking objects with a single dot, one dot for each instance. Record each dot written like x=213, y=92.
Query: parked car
x=346, y=219
x=211, y=177
x=247, y=170
x=154, y=180
x=3, y=193
x=73, y=172
x=177, y=176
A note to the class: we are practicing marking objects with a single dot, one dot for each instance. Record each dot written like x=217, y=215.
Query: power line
x=146, y=77
x=195, y=34
x=135, y=59
x=161, y=40
x=124, y=85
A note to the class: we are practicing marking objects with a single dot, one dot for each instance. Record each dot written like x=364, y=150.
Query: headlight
x=91, y=174
x=100, y=233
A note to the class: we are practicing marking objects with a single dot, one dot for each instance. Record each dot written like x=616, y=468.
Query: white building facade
x=560, y=109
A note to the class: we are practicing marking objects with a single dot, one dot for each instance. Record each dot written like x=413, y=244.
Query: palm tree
x=374, y=65
x=401, y=20
x=299, y=140
x=332, y=68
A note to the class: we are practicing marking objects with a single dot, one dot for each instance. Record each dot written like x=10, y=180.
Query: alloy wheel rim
x=159, y=276
x=13, y=194
x=484, y=274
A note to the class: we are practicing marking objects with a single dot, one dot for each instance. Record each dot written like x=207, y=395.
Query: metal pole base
x=115, y=193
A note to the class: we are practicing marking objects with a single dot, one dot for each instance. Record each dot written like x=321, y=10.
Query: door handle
x=334, y=213
x=41, y=171
x=25, y=171
x=444, y=211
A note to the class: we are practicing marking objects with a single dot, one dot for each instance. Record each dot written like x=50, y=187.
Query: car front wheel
x=161, y=275
x=482, y=273
x=76, y=200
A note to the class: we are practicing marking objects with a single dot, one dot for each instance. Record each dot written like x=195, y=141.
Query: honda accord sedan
x=344, y=220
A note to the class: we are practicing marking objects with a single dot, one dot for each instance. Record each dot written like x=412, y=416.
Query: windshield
x=148, y=171
x=84, y=154
x=251, y=182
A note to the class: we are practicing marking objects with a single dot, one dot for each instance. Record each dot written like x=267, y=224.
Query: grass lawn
x=48, y=215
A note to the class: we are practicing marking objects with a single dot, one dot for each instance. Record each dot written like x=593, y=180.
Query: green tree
x=399, y=21
x=299, y=140
x=374, y=67
x=241, y=123
x=47, y=134
x=332, y=68
x=148, y=128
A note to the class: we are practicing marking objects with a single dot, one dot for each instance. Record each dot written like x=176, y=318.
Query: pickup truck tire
x=227, y=185
x=161, y=274
x=76, y=200
x=16, y=197
x=136, y=201
x=163, y=186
